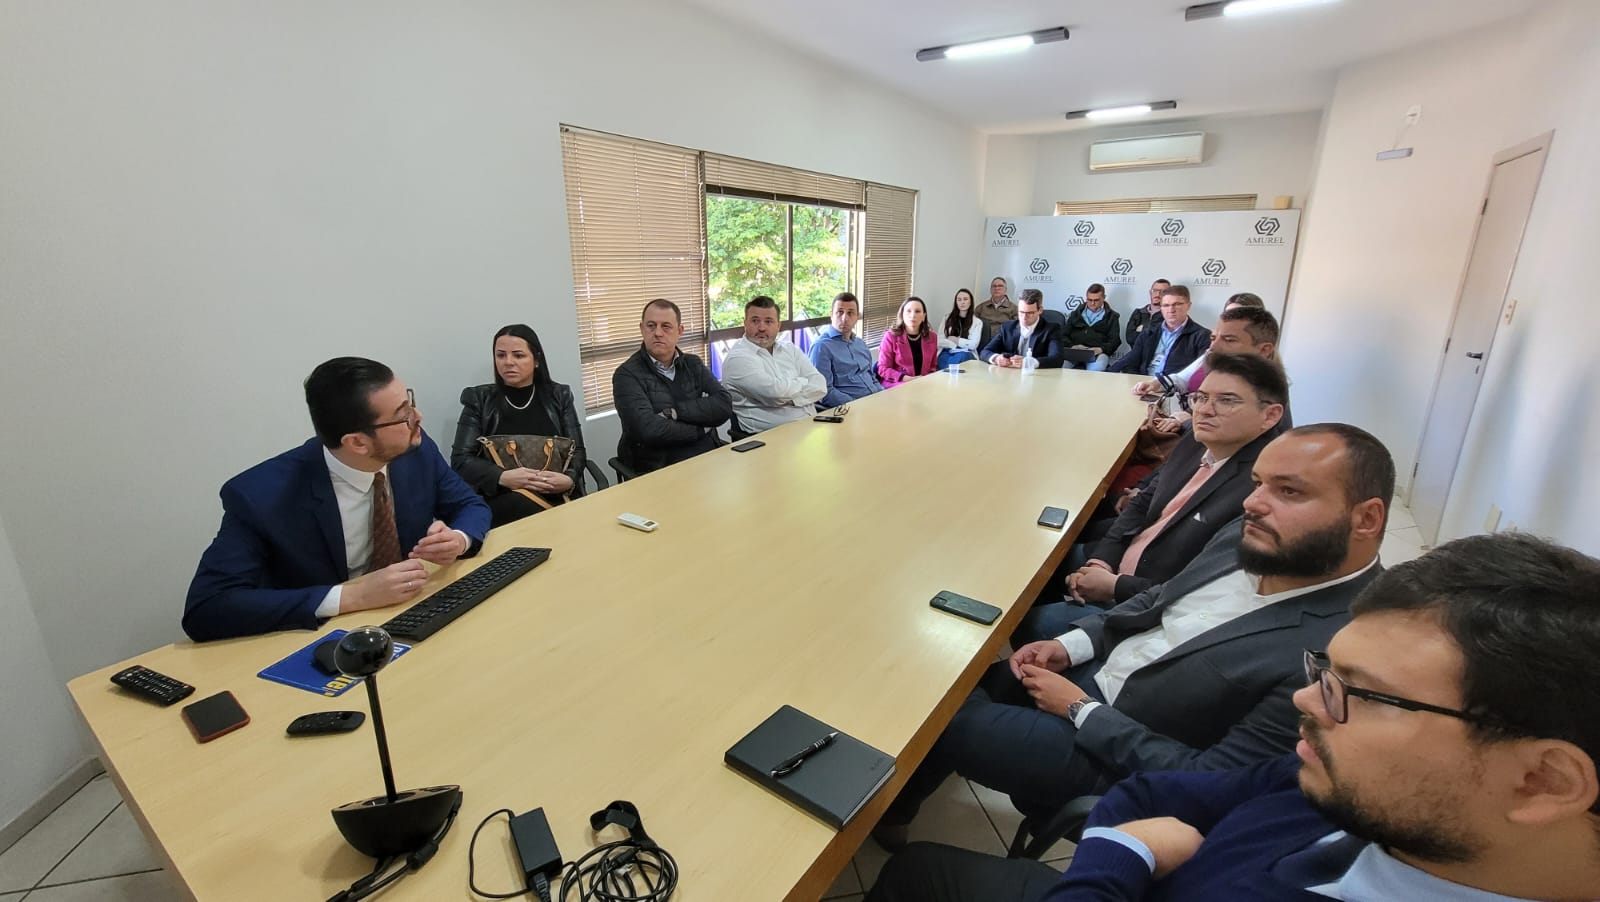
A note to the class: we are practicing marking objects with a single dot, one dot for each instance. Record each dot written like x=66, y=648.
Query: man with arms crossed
x=770, y=381
x=341, y=523
x=668, y=403
x=1449, y=740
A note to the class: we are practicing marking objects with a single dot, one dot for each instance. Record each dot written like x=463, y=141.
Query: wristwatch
x=1076, y=708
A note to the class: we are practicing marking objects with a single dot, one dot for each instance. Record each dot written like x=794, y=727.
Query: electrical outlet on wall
x=1511, y=310
x=1492, y=521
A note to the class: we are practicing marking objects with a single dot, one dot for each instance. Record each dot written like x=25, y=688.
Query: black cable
x=541, y=886
x=628, y=870
x=472, y=861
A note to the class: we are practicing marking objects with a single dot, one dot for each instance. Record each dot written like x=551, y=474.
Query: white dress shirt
x=1206, y=608
x=770, y=388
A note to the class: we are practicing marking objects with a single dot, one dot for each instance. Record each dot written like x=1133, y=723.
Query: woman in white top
x=963, y=330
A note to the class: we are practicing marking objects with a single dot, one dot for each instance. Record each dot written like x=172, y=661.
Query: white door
x=1512, y=184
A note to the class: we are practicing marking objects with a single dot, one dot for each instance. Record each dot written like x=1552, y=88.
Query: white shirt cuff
x=1080, y=648
x=465, y=538
x=1083, y=713
x=330, y=603
x=1124, y=840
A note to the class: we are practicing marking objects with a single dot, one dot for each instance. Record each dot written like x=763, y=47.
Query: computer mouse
x=322, y=657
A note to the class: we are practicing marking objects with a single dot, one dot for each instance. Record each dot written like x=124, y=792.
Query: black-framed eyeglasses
x=1336, y=694
x=410, y=419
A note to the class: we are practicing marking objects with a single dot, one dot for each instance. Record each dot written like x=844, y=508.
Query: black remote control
x=326, y=722
x=155, y=687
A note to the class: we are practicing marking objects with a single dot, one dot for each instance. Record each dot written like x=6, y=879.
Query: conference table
x=798, y=573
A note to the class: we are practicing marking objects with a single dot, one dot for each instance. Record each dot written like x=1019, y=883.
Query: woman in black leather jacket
x=523, y=400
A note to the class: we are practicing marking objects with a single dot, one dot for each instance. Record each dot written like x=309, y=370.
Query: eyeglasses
x=410, y=419
x=1223, y=403
x=1336, y=695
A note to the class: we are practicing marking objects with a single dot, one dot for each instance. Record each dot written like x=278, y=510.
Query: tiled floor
x=90, y=850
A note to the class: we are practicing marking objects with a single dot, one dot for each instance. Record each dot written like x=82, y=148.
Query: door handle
x=1475, y=355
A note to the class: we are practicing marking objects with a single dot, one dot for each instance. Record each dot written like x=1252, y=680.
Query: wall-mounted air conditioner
x=1156, y=150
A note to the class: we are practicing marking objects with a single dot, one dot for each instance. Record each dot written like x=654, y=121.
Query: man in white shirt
x=341, y=523
x=1197, y=673
x=771, y=381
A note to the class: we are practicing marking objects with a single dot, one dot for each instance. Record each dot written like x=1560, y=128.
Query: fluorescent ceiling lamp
x=1119, y=112
x=992, y=46
x=1123, y=112
x=1245, y=8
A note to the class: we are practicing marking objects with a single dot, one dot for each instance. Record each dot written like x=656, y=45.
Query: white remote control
x=637, y=522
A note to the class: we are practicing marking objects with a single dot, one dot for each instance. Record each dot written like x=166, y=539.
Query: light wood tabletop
x=799, y=573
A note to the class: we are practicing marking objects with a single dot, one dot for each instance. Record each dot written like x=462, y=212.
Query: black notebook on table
x=832, y=784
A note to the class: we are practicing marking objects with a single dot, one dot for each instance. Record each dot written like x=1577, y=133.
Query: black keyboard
x=438, y=610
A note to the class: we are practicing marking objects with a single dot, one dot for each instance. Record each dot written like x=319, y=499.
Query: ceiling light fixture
x=1245, y=8
x=992, y=46
x=1123, y=112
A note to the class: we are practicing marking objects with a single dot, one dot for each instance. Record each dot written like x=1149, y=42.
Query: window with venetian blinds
x=636, y=214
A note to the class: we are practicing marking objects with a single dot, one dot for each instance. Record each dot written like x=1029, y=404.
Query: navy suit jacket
x=1192, y=343
x=1251, y=818
x=281, y=544
x=1046, y=345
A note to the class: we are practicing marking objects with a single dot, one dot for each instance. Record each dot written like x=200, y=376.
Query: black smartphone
x=962, y=606
x=1053, y=517
x=828, y=418
x=749, y=446
x=324, y=722
x=216, y=716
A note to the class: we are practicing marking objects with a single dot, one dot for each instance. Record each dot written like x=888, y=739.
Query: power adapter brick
x=536, y=847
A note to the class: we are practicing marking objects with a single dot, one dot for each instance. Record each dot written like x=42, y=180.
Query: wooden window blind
x=636, y=216
x=1158, y=204
x=886, y=272
x=764, y=181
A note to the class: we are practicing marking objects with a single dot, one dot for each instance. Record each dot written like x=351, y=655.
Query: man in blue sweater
x=842, y=358
x=1450, y=735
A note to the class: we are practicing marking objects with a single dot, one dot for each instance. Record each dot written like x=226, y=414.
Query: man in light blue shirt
x=842, y=358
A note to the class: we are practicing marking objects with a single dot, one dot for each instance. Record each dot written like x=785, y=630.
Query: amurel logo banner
x=1074, y=301
x=1266, y=232
x=1121, y=272
x=1171, y=233
x=1083, y=234
x=1006, y=235
x=1214, y=269
x=1038, y=271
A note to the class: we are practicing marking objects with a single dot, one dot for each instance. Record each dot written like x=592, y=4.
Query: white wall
x=43, y=738
x=1263, y=155
x=205, y=198
x=1385, y=244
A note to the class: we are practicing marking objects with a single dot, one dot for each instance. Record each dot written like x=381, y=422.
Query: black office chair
x=1055, y=317
x=596, y=475
x=736, y=434
x=1036, y=835
x=623, y=471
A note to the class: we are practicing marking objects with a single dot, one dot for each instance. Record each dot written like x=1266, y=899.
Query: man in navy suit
x=341, y=523
x=1449, y=740
x=1029, y=335
x=1178, y=341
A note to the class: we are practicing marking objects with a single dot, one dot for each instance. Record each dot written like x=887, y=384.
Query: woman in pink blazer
x=910, y=347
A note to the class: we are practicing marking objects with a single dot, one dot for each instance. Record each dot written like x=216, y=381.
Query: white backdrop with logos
x=1216, y=254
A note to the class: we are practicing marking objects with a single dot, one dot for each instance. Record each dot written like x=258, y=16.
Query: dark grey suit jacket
x=1222, y=699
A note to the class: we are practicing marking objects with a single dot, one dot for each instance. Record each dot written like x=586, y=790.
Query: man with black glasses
x=1449, y=740
x=341, y=523
x=1193, y=674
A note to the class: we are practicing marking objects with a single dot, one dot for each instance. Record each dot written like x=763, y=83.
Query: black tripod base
x=379, y=828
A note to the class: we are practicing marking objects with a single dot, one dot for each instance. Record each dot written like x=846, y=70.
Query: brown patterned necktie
x=385, y=537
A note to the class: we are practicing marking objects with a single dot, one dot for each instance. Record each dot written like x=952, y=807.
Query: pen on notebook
x=798, y=758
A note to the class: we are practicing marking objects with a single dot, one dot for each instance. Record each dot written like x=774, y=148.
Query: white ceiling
x=1120, y=51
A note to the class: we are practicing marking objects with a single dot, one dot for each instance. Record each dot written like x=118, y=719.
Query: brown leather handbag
x=533, y=452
